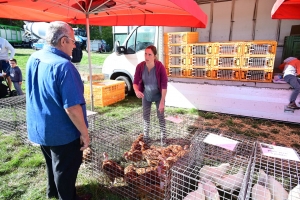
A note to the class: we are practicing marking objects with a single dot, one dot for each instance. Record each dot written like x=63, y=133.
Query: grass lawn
x=22, y=169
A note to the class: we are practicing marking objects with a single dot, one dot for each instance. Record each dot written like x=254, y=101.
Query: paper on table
x=279, y=152
x=174, y=119
x=220, y=141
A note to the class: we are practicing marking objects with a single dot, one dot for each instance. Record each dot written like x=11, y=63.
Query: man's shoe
x=293, y=106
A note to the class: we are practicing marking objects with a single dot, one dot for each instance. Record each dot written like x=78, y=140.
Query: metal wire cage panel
x=12, y=112
x=201, y=61
x=260, y=48
x=258, y=62
x=176, y=49
x=256, y=75
x=224, y=74
x=181, y=37
x=226, y=62
x=229, y=49
x=202, y=48
x=212, y=172
x=273, y=178
x=135, y=176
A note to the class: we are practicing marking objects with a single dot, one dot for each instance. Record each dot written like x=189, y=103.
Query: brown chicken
x=171, y=149
x=131, y=176
x=149, y=175
x=111, y=168
x=183, y=152
x=152, y=156
x=135, y=153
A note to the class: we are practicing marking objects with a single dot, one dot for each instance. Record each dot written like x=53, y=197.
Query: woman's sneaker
x=293, y=106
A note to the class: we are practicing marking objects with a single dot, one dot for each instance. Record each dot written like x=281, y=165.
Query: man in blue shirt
x=56, y=110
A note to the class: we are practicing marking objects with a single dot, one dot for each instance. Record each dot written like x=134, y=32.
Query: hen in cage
x=112, y=169
x=151, y=155
x=135, y=153
x=131, y=176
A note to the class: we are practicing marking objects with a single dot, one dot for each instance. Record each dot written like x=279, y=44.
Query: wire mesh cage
x=12, y=112
x=273, y=177
x=213, y=171
x=121, y=158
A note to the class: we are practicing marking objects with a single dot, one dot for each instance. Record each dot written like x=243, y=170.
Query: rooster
x=111, y=169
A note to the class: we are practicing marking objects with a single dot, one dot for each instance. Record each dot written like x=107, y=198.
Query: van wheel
x=128, y=85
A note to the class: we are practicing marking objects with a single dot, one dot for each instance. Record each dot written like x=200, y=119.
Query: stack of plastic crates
x=105, y=92
x=213, y=171
x=131, y=176
x=258, y=61
x=274, y=177
x=227, y=61
x=201, y=58
x=177, y=53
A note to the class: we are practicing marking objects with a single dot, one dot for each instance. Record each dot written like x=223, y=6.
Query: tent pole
x=89, y=60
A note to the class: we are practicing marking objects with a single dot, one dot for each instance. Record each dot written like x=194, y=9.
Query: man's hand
x=84, y=141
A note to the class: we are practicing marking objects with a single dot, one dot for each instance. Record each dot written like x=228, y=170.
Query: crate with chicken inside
x=275, y=173
x=216, y=168
x=130, y=166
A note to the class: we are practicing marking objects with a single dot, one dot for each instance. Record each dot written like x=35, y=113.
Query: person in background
x=6, y=47
x=16, y=76
x=290, y=75
x=56, y=110
x=150, y=84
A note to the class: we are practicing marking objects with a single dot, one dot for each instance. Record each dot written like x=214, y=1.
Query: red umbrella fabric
x=184, y=13
x=108, y=12
x=286, y=9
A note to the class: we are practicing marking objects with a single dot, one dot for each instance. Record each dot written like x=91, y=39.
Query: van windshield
x=141, y=38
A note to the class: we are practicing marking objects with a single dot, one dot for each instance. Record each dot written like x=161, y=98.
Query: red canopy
x=108, y=12
x=286, y=9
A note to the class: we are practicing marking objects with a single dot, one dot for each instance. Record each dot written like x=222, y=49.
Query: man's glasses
x=70, y=39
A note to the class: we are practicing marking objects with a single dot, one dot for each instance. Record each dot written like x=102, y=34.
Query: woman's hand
x=161, y=106
x=139, y=94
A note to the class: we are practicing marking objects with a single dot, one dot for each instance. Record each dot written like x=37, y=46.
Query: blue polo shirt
x=52, y=84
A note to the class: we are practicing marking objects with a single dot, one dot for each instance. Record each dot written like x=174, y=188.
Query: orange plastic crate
x=105, y=93
x=226, y=62
x=258, y=62
x=202, y=49
x=260, y=48
x=196, y=61
x=176, y=49
x=256, y=75
x=224, y=74
x=229, y=48
x=181, y=37
x=200, y=72
x=177, y=61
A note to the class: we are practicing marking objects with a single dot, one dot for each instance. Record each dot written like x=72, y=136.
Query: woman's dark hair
x=152, y=48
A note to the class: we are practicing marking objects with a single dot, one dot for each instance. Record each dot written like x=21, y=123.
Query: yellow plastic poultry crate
x=228, y=48
x=200, y=72
x=256, y=75
x=105, y=93
x=228, y=62
x=181, y=37
x=202, y=49
x=177, y=61
x=176, y=49
x=258, y=62
x=224, y=74
x=260, y=48
x=196, y=61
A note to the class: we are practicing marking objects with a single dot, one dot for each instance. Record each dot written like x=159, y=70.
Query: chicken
x=174, y=149
x=294, y=194
x=183, y=152
x=131, y=176
x=210, y=191
x=111, y=168
x=133, y=156
x=260, y=192
x=136, y=145
x=86, y=155
x=197, y=194
x=277, y=190
x=149, y=175
x=231, y=182
x=151, y=155
x=208, y=172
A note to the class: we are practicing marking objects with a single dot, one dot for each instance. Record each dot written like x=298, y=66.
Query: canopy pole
x=89, y=60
